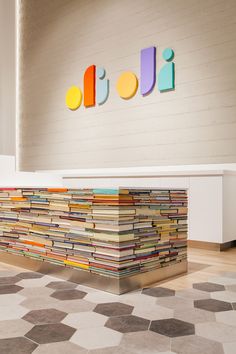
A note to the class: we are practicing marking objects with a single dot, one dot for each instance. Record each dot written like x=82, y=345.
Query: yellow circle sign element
x=73, y=98
x=127, y=85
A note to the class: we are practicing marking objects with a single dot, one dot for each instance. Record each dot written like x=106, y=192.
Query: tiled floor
x=194, y=313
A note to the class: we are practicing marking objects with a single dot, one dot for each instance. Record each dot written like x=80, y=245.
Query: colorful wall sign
x=96, y=86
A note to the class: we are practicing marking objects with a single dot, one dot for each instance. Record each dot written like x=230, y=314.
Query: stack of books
x=111, y=232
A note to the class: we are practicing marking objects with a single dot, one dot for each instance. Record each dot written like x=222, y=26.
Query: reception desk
x=116, y=240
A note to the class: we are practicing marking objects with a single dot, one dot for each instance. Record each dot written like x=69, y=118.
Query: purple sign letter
x=148, y=70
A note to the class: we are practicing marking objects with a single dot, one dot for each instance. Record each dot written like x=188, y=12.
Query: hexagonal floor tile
x=39, y=302
x=19, y=345
x=158, y=292
x=49, y=333
x=195, y=345
x=69, y=294
x=94, y=338
x=153, y=312
x=60, y=348
x=12, y=312
x=44, y=316
x=127, y=323
x=11, y=299
x=194, y=315
x=227, y=317
x=209, y=287
x=229, y=348
x=145, y=342
x=175, y=303
x=30, y=275
x=36, y=292
x=212, y=305
x=61, y=285
x=71, y=306
x=231, y=287
x=172, y=327
x=219, y=332
x=85, y=320
x=10, y=289
x=113, y=309
x=228, y=296
x=9, y=280
x=14, y=328
x=36, y=283
x=193, y=294
x=222, y=280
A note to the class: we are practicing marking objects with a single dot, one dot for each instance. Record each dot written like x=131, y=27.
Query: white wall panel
x=195, y=124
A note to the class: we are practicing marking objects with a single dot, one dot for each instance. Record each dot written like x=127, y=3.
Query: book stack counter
x=116, y=240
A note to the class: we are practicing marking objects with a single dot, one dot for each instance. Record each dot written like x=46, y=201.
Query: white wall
x=194, y=124
x=7, y=77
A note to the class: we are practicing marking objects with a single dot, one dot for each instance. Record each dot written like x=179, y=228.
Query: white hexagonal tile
x=153, y=312
x=14, y=328
x=38, y=282
x=222, y=280
x=95, y=338
x=85, y=320
x=229, y=348
x=12, y=312
x=98, y=297
x=74, y=306
x=228, y=296
x=216, y=331
x=60, y=348
x=227, y=317
x=11, y=299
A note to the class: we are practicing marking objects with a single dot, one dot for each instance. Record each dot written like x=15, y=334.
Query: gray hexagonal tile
x=30, y=275
x=61, y=285
x=19, y=345
x=158, y=292
x=10, y=289
x=113, y=309
x=69, y=294
x=195, y=345
x=49, y=333
x=172, y=327
x=9, y=280
x=212, y=305
x=44, y=316
x=127, y=323
x=209, y=287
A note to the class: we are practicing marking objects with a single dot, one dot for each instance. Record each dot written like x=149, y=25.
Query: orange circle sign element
x=127, y=85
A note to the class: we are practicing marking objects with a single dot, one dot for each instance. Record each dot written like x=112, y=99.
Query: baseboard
x=212, y=246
